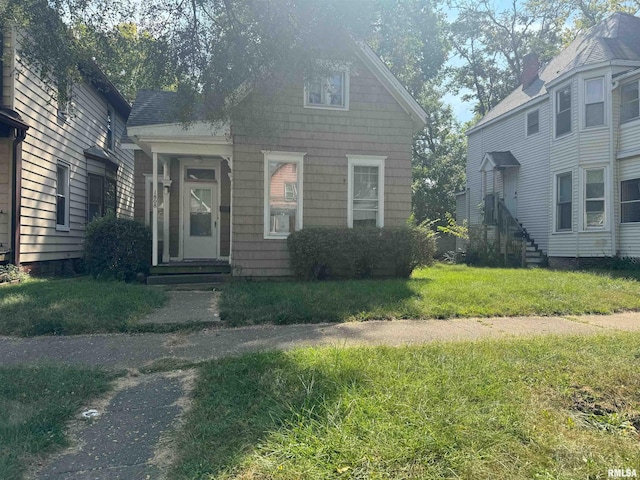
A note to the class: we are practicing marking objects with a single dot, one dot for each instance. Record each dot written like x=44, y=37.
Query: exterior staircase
x=513, y=240
x=193, y=273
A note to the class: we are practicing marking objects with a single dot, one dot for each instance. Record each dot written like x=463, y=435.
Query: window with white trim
x=365, y=191
x=594, y=102
x=148, y=204
x=630, y=201
x=594, y=198
x=563, y=111
x=533, y=122
x=564, y=197
x=629, y=102
x=282, y=193
x=331, y=91
x=62, y=196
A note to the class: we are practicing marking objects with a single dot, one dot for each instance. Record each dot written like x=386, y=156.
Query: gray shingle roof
x=615, y=38
x=504, y=159
x=156, y=107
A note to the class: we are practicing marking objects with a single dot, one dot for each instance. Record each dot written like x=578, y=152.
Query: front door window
x=200, y=212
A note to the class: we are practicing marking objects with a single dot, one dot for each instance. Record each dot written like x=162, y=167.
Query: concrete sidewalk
x=126, y=440
x=133, y=351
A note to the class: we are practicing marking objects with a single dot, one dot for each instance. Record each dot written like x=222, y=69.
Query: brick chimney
x=530, y=67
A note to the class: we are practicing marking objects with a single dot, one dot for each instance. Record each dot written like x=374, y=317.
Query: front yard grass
x=35, y=404
x=73, y=306
x=442, y=291
x=545, y=408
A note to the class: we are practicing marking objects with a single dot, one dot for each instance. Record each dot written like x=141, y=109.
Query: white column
x=230, y=164
x=154, y=215
x=166, y=177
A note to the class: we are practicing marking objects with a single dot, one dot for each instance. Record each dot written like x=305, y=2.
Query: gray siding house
x=60, y=165
x=337, y=152
x=557, y=162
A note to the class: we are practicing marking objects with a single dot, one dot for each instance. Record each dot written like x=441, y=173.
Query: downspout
x=16, y=188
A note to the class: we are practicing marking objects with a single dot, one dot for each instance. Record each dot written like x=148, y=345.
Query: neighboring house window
x=594, y=198
x=101, y=196
x=328, y=92
x=110, y=141
x=365, y=191
x=533, y=122
x=594, y=102
x=629, y=104
x=563, y=111
x=563, y=201
x=630, y=201
x=282, y=193
x=62, y=194
x=148, y=205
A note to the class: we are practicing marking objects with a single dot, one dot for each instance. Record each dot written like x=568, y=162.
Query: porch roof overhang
x=498, y=161
x=199, y=138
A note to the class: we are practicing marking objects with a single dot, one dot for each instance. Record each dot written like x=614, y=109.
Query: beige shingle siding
x=374, y=125
x=49, y=140
x=5, y=193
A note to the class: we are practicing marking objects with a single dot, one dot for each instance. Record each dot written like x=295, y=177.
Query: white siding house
x=573, y=130
x=68, y=168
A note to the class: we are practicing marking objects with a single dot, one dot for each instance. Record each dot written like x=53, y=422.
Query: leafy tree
x=439, y=158
x=491, y=45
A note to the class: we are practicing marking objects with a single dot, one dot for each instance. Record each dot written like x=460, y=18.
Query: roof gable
x=615, y=38
x=153, y=107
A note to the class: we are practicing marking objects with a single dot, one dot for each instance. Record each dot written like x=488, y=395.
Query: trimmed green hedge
x=326, y=253
x=116, y=248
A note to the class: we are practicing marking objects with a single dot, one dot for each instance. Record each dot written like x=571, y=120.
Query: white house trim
x=288, y=157
x=365, y=161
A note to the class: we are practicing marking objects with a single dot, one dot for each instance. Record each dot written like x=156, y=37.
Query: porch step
x=185, y=269
x=189, y=278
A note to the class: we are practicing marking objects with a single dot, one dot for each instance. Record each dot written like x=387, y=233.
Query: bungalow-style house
x=60, y=165
x=337, y=152
x=554, y=169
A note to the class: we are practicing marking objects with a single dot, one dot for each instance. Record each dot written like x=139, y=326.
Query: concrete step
x=181, y=268
x=534, y=259
x=183, y=279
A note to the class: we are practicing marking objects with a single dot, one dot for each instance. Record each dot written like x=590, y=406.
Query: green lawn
x=545, y=408
x=35, y=404
x=72, y=306
x=442, y=291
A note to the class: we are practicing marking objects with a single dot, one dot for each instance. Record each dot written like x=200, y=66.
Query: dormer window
x=331, y=91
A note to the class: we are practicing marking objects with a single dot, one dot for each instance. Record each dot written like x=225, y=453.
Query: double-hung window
x=630, y=201
x=563, y=111
x=331, y=91
x=533, y=122
x=594, y=102
x=282, y=193
x=101, y=196
x=564, y=196
x=365, y=191
x=62, y=196
x=594, y=198
x=629, y=102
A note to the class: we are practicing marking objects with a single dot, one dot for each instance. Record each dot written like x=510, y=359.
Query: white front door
x=200, y=220
x=510, y=189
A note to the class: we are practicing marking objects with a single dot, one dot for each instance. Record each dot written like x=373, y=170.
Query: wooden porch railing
x=510, y=235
